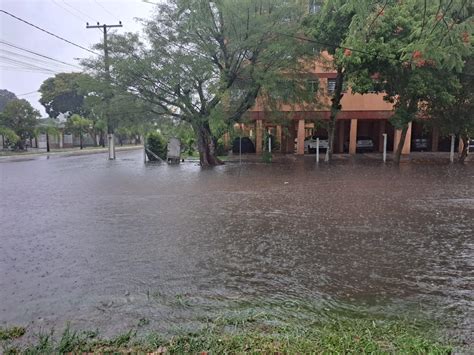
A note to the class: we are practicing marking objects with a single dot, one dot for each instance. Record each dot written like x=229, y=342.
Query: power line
x=48, y=32
x=103, y=8
x=38, y=54
x=29, y=93
x=79, y=19
x=25, y=65
x=78, y=11
x=65, y=9
x=30, y=60
x=25, y=70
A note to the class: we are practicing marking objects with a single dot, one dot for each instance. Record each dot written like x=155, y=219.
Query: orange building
x=361, y=115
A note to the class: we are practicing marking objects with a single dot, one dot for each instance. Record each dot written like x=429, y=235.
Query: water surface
x=103, y=244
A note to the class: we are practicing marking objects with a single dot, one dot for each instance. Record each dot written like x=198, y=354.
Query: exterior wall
x=354, y=106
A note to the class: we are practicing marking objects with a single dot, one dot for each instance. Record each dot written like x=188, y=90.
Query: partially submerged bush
x=157, y=144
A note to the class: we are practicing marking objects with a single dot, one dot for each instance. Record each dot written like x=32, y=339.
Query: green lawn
x=249, y=330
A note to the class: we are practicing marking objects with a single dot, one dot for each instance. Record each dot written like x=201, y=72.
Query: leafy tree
x=200, y=52
x=21, y=118
x=120, y=110
x=329, y=28
x=457, y=116
x=63, y=94
x=123, y=133
x=79, y=126
x=402, y=47
x=5, y=97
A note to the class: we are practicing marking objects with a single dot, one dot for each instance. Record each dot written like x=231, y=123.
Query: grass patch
x=256, y=333
x=11, y=333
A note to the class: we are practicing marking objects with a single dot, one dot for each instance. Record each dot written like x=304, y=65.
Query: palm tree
x=50, y=127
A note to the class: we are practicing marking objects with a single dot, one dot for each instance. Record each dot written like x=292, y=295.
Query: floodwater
x=103, y=244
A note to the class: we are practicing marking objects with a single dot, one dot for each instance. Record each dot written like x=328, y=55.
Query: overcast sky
x=65, y=18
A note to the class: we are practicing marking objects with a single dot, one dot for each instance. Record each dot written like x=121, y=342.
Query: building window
x=313, y=86
x=331, y=85
x=314, y=6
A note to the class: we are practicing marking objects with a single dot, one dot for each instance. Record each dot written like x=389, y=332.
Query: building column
x=435, y=139
x=460, y=146
x=396, y=140
x=259, y=137
x=340, y=139
x=300, y=138
x=381, y=132
x=278, y=137
x=353, y=137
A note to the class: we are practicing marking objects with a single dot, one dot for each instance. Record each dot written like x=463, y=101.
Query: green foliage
x=221, y=149
x=9, y=136
x=170, y=128
x=48, y=126
x=407, y=50
x=21, y=118
x=157, y=144
x=457, y=116
x=78, y=125
x=5, y=97
x=63, y=94
x=329, y=26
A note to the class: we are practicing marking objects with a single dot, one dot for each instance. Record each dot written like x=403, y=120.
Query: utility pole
x=110, y=126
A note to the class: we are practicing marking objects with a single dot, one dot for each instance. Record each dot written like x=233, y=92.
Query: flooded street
x=103, y=244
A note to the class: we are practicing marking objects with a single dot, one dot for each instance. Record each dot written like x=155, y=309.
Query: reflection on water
x=104, y=243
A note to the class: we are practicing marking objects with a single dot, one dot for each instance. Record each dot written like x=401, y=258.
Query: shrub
x=157, y=144
x=221, y=149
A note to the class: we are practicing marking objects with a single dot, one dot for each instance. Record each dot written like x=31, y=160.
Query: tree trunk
x=47, y=142
x=335, y=108
x=463, y=155
x=206, y=146
x=102, y=140
x=398, y=152
x=80, y=140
